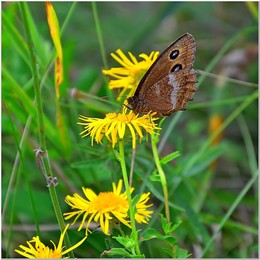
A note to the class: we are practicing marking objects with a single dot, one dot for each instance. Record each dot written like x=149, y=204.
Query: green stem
x=129, y=198
x=41, y=128
x=99, y=34
x=162, y=177
x=163, y=182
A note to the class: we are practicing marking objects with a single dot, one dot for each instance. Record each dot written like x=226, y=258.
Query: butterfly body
x=170, y=82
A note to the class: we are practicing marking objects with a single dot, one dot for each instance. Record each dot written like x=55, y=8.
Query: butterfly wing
x=179, y=55
x=171, y=93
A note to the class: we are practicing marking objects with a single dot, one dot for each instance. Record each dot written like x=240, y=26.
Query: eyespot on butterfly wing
x=169, y=84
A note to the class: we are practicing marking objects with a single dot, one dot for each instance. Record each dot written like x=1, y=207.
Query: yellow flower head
x=131, y=72
x=39, y=250
x=105, y=207
x=116, y=125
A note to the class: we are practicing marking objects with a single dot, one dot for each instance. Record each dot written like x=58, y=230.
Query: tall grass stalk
x=230, y=211
x=41, y=128
x=231, y=118
x=99, y=34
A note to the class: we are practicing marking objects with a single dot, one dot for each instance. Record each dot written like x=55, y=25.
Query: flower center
x=108, y=201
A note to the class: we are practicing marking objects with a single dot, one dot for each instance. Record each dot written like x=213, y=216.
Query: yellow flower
x=142, y=215
x=39, y=250
x=116, y=125
x=131, y=72
x=105, y=207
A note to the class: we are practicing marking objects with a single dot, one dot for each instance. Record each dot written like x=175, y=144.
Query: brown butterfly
x=170, y=82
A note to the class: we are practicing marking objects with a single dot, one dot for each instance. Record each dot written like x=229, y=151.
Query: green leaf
x=155, y=176
x=175, y=226
x=152, y=233
x=163, y=221
x=180, y=252
x=170, y=157
x=127, y=242
x=120, y=252
x=167, y=227
x=168, y=251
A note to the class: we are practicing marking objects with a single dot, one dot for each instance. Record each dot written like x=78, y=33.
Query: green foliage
x=168, y=229
x=213, y=189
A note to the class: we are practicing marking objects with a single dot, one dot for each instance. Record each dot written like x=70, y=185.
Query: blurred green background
x=203, y=188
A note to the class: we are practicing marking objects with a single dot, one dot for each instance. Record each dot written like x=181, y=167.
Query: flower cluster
x=114, y=126
x=106, y=207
